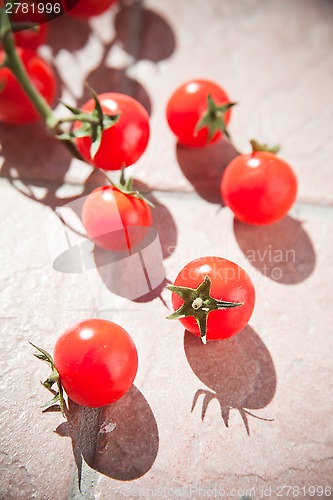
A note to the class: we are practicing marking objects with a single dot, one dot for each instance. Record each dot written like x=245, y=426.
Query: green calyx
x=126, y=187
x=198, y=303
x=51, y=380
x=93, y=124
x=257, y=146
x=214, y=118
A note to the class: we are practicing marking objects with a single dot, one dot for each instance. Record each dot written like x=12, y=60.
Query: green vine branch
x=92, y=124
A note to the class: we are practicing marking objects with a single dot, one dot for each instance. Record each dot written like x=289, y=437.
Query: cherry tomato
x=259, y=188
x=97, y=362
x=186, y=107
x=115, y=220
x=88, y=8
x=122, y=144
x=30, y=38
x=224, y=302
x=15, y=107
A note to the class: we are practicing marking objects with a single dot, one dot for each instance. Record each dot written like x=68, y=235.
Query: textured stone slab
x=251, y=412
x=265, y=394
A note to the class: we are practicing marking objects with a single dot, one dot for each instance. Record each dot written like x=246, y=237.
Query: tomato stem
x=93, y=124
x=14, y=63
x=126, y=187
x=257, y=146
x=198, y=303
x=82, y=117
x=54, y=378
x=213, y=118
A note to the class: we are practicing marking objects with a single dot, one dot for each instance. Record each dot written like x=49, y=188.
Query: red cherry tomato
x=122, y=144
x=259, y=188
x=229, y=283
x=97, y=362
x=15, y=107
x=186, y=107
x=88, y=8
x=114, y=220
x=30, y=38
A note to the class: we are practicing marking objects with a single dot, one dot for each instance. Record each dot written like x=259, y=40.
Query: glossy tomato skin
x=114, y=220
x=124, y=143
x=259, y=188
x=97, y=362
x=88, y=8
x=229, y=283
x=15, y=108
x=185, y=108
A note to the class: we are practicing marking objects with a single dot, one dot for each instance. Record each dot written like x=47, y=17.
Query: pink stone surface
x=274, y=58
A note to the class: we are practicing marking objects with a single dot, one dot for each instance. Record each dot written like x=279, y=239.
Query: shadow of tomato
x=239, y=372
x=204, y=167
x=144, y=34
x=132, y=274
x=140, y=276
x=282, y=251
x=35, y=162
x=68, y=33
x=104, y=79
x=120, y=440
x=163, y=221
